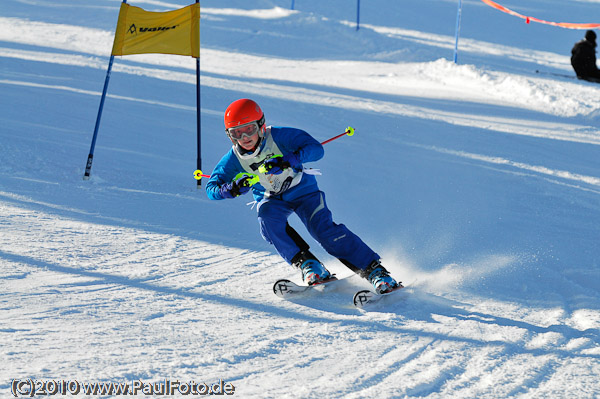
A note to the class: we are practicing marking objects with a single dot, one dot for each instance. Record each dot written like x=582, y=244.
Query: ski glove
x=276, y=165
x=236, y=188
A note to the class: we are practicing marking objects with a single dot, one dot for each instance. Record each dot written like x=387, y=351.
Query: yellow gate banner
x=171, y=32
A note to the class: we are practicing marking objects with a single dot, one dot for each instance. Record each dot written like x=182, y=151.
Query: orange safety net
x=541, y=21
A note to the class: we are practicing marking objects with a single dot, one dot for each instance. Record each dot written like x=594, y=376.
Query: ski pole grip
x=266, y=168
x=250, y=179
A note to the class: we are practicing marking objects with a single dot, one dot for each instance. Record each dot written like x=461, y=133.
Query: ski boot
x=380, y=278
x=313, y=272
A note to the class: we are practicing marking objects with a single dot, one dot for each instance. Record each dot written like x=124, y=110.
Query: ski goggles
x=247, y=130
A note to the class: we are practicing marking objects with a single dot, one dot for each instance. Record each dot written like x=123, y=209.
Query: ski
x=365, y=298
x=285, y=288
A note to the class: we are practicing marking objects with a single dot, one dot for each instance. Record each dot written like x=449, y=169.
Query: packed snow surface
x=478, y=183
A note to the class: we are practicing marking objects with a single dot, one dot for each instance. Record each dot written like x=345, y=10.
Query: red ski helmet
x=243, y=111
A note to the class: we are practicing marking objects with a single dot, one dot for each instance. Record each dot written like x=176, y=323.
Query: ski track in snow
x=146, y=285
x=135, y=276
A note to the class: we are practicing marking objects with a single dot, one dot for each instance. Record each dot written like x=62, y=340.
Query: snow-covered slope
x=477, y=182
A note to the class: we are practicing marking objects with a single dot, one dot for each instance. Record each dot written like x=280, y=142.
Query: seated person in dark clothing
x=583, y=58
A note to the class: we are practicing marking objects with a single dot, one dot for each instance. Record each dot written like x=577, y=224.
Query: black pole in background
x=198, y=118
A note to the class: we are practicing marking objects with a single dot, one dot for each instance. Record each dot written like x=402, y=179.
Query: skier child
x=276, y=155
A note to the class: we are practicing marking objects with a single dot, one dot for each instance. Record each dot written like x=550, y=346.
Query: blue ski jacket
x=289, y=185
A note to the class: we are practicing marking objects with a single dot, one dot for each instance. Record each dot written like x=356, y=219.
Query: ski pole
x=349, y=131
x=254, y=179
x=199, y=175
x=250, y=181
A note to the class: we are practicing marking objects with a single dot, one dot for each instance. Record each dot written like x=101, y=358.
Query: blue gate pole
x=357, y=14
x=88, y=166
x=458, y=15
x=292, y=7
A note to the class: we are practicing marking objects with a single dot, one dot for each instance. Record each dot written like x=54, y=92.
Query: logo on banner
x=134, y=30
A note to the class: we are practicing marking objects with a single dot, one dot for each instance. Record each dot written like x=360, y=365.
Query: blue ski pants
x=312, y=210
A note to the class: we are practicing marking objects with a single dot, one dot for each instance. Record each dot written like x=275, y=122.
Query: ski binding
x=367, y=297
x=284, y=288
